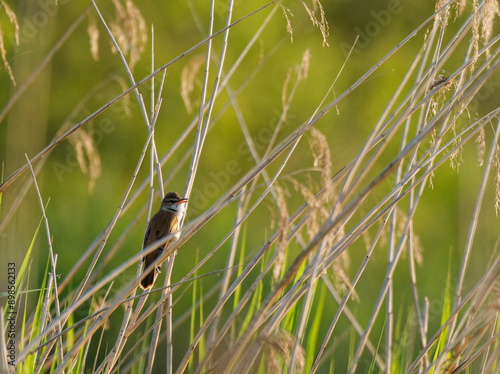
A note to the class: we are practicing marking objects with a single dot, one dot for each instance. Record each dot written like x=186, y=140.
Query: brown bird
x=164, y=222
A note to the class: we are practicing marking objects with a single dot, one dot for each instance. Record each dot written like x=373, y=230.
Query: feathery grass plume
x=93, y=33
x=322, y=159
x=312, y=224
x=13, y=20
x=322, y=24
x=456, y=157
x=321, y=155
x=87, y=155
x=320, y=150
x=339, y=278
x=443, y=17
x=188, y=80
x=431, y=175
x=276, y=349
x=86, y=151
x=489, y=12
x=289, y=28
x=304, y=65
x=125, y=103
x=320, y=211
x=480, y=146
x=477, y=330
x=284, y=88
x=461, y=6
x=3, y=52
x=129, y=30
x=475, y=34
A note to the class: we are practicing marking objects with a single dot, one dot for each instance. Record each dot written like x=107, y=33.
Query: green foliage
x=338, y=145
x=314, y=329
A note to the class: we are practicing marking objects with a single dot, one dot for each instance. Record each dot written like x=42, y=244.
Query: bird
x=164, y=222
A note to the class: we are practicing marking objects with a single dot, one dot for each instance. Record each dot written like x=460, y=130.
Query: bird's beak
x=183, y=200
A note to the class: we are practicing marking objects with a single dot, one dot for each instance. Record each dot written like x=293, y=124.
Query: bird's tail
x=148, y=281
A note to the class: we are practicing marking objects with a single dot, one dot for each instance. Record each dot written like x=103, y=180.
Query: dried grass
x=3, y=52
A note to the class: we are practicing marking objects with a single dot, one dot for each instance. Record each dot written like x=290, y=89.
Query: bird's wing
x=164, y=223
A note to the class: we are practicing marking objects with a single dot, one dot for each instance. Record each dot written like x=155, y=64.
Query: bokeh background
x=78, y=80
